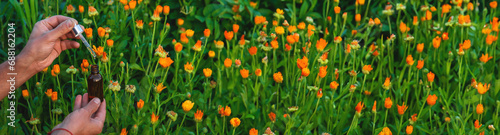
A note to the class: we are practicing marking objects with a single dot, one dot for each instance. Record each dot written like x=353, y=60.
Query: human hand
x=86, y=118
x=47, y=40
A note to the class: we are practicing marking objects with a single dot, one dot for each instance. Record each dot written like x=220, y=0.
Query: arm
x=47, y=40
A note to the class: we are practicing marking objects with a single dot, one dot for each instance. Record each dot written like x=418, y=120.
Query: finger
x=78, y=102
x=92, y=106
x=85, y=99
x=67, y=44
x=62, y=29
x=100, y=115
x=54, y=21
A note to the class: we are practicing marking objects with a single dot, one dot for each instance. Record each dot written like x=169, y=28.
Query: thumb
x=92, y=106
x=62, y=29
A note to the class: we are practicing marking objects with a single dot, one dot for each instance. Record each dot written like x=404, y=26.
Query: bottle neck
x=94, y=69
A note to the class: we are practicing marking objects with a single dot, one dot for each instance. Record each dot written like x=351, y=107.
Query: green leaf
x=136, y=67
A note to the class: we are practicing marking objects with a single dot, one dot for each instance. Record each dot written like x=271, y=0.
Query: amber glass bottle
x=95, y=83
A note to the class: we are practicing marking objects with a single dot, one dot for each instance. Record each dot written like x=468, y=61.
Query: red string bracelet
x=60, y=129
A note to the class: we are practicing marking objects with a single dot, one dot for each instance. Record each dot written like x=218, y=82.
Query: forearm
x=13, y=73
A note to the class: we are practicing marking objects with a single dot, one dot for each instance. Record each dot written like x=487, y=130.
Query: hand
x=86, y=118
x=47, y=40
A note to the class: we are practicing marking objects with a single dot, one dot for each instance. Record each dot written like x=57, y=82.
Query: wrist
x=23, y=64
x=60, y=131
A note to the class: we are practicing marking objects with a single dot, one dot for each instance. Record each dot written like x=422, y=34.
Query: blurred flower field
x=270, y=67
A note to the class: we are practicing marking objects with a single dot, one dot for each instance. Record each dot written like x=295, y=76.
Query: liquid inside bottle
x=95, y=84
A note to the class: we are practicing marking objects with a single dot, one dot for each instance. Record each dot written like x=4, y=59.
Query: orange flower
x=445, y=8
x=207, y=72
x=159, y=88
x=409, y=60
x=81, y=8
x=197, y=46
x=252, y=50
x=278, y=77
x=110, y=43
x=436, y=42
x=88, y=32
x=187, y=105
x=126, y=7
x=26, y=94
x=479, y=109
x=466, y=45
x=420, y=64
x=301, y=25
x=228, y=62
x=334, y=85
x=319, y=94
x=156, y=16
x=159, y=8
x=244, y=73
x=227, y=111
x=84, y=65
x=54, y=96
x=49, y=93
x=477, y=125
x=493, y=4
x=236, y=27
x=258, y=72
x=337, y=9
x=431, y=99
x=357, y=17
x=206, y=33
x=259, y=20
x=228, y=35
x=235, y=122
x=359, y=107
x=305, y=72
x=402, y=109
x=132, y=4
x=302, y=63
x=388, y=103
x=55, y=70
x=385, y=131
x=140, y=104
x=403, y=28
x=430, y=77
x=387, y=83
x=272, y=117
x=428, y=15
x=415, y=20
x=470, y=6
x=366, y=69
x=490, y=39
x=139, y=24
x=101, y=32
x=165, y=62
x=92, y=11
x=189, y=33
x=253, y=131
x=321, y=44
x=99, y=51
x=279, y=30
x=274, y=43
x=198, y=116
x=178, y=47
x=481, y=89
x=70, y=9
x=188, y=67
x=360, y=2
x=166, y=10
x=322, y=71
x=154, y=118
x=124, y=131
x=409, y=129
x=180, y=22
x=374, y=108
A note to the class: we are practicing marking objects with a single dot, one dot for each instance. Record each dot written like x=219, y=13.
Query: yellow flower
x=235, y=122
x=188, y=67
x=279, y=30
x=187, y=105
x=211, y=54
x=279, y=11
x=207, y=72
x=189, y=33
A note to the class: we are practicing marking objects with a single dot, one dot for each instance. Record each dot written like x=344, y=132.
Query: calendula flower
x=428, y=15
x=466, y=45
x=197, y=46
x=178, y=47
x=219, y=44
x=140, y=104
x=493, y=4
x=224, y=111
x=88, y=33
x=166, y=10
x=235, y=122
x=479, y=109
x=253, y=131
x=154, y=118
x=188, y=67
x=366, y=69
x=228, y=35
x=207, y=72
x=55, y=70
x=336, y=9
x=482, y=88
x=403, y=28
x=99, y=51
x=477, y=125
x=359, y=107
x=70, y=9
x=130, y=88
x=54, y=96
x=71, y=70
x=385, y=131
x=159, y=88
x=236, y=27
x=92, y=11
x=436, y=42
x=490, y=39
x=81, y=9
x=302, y=63
x=374, y=108
x=272, y=117
x=322, y=71
x=114, y=86
x=259, y=20
x=187, y=105
x=387, y=83
x=124, y=131
x=160, y=52
x=409, y=129
x=211, y=54
x=402, y=109
x=165, y=62
x=228, y=62
x=206, y=33
x=409, y=60
x=431, y=99
x=321, y=44
x=278, y=77
x=319, y=94
x=189, y=33
x=139, y=24
x=110, y=43
x=484, y=58
x=430, y=77
x=132, y=4
x=334, y=85
x=258, y=72
x=388, y=103
x=279, y=30
x=198, y=116
x=101, y=32
x=274, y=43
x=126, y=7
x=156, y=16
x=180, y=22
x=420, y=47
x=49, y=93
x=357, y=17
x=305, y=72
x=301, y=26
x=25, y=93
x=420, y=64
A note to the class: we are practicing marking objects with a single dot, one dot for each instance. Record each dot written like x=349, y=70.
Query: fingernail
x=70, y=23
x=97, y=100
